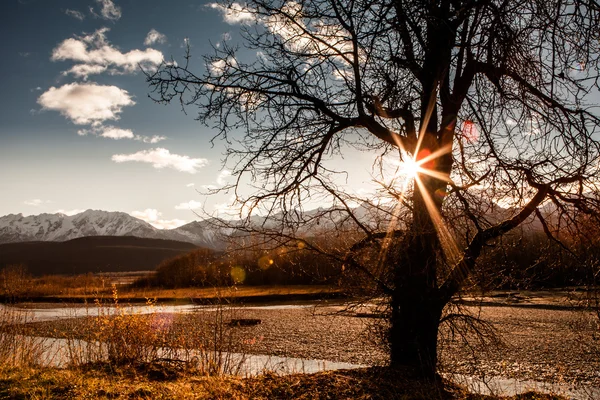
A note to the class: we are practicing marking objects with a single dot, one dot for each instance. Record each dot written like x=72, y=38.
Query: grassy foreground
x=164, y=382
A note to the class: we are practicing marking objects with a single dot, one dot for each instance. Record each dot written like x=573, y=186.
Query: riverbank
x=204, y=295
x=557, y=346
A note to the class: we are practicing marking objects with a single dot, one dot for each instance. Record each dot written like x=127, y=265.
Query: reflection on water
x=51, y=314
x=511, y=387
x=54, y=313
x=59, y=352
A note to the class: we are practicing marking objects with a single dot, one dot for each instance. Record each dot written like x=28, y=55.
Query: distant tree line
x=521, y=260
x=283, y=266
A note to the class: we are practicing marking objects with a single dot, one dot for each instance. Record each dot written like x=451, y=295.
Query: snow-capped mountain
x=204, y=233
x=61, y=227
x=210, y=233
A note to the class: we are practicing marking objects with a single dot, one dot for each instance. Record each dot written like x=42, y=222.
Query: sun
x=410, y=168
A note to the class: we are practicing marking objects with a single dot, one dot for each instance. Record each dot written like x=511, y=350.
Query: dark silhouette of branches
x=494, y=101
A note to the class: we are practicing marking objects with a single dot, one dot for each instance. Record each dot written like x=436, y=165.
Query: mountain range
x=15, y=228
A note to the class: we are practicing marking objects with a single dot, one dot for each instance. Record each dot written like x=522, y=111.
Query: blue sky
x=74, y=103
x=77, y=129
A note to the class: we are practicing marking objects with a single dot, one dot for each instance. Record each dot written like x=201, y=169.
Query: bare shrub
x=118, y=336
x=17, y=349
x=14, y=281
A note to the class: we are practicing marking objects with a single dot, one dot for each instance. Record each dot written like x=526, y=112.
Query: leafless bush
x=16, y=348
x=118, y=336
x=14, y=281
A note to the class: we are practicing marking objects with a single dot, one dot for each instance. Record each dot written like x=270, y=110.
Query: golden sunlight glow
x=410, y=168
x=414, y=169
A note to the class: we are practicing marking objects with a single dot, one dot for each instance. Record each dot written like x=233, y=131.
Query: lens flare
x=469, y=130
x=265, y=262
x=238, y=274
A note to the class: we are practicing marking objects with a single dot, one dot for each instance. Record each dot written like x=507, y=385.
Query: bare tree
x=478, y=101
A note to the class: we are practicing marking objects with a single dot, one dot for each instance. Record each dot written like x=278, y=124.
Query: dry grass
x=15, y=347
x=118, y=337
x=226, y=292
x=16, y=284
x=114, y=336
x=90, y=287
x=125, y=361
x=145, y=383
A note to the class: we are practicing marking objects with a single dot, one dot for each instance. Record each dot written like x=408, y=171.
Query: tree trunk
x=413, y=334
x=416, y=305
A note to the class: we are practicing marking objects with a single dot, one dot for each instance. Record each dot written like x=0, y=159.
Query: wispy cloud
x=113, y=132
x=150, y=139
x=86, y=103
x=153, y=217
x=109, y=10
x=154, y=36
x=223, y=177
x=190, y=205
x=75, y=14
x=34, y=202
x=97, y=55
x=162, y=158
x=190, y=185
x=117, y=133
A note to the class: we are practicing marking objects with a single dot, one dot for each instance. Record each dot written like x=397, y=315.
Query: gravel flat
x=559, y=346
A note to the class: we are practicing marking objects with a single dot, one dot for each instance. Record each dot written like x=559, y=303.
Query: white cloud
x=190, y=185
x=232, y=209
x=109, y=10
x=97, y=55
x=86, y=103
x=190, y=205
x=234, y=13
x=152, y=140
x=85, y=70
x=75, y=14
x=218, y=67
x=152, y=216
x=69, y=212
x=162, y=158
x=34, y=202
x=223, y=177
x=113, y=132
x=325, y=39
x=154, y=36
x=117, y=133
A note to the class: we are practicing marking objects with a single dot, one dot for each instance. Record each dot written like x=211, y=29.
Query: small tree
x=478, y=101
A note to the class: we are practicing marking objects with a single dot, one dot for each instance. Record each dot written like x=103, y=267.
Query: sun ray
x=449, y=245
x=435, y=174
x=436, y=154
x=413, y=170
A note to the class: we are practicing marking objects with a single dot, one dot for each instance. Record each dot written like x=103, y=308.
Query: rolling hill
x=91, y=254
